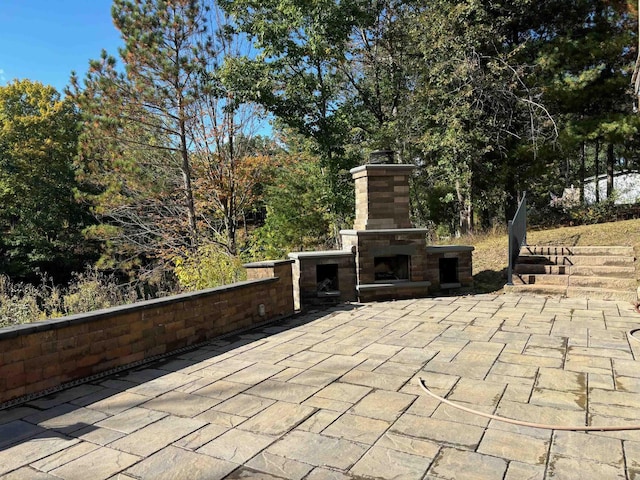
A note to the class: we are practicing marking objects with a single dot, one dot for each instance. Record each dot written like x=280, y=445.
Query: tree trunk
x=610, y=165
x=582, y=173
x=185, y=169
x=464, y=209
x=597, y=170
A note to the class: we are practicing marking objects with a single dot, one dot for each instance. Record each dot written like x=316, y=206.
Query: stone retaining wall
x=43, y=355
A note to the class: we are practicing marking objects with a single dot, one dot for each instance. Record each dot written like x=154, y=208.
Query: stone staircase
x=594, y=272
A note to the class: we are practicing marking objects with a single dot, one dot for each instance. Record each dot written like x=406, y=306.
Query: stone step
x=613, y=260
x=603, y=293
x=573, y=292
x=603, y=282
x=611, y=271
x=540, y=279
x=576, y=270
x=553, y=250
x=614, y=283
x=536, y=289
x=603, y=272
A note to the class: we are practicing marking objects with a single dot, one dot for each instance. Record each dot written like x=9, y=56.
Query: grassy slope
x=490, y=254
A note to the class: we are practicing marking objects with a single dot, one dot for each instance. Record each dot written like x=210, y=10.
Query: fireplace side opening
x=448, y=268
x=391, y=268
x=327, y=279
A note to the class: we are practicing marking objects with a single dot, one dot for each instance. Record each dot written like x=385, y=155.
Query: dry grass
x=490, y=254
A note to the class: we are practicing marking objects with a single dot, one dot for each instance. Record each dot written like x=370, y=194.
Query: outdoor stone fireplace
x=390, y=255
x=383, y=256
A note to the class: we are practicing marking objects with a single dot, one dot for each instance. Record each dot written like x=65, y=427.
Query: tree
x=143, y=113
x=162, y=143
x=41, y=221
x=296, y=75
x=586, y=69
x=379, y=70
x=297, y=217
x=479, y=110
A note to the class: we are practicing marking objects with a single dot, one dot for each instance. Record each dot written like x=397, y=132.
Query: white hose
x=577, y=428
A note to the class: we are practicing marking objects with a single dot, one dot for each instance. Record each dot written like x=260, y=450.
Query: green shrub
x=210, y=266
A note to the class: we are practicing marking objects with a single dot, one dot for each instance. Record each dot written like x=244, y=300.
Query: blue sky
x=44, y=40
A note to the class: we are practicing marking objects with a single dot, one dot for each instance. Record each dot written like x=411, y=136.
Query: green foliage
x=209, y=266
x=297, y=75
x=40, y=220
x=492, y=99
x=297, y=209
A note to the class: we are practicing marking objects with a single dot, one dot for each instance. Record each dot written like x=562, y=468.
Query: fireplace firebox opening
x=327, y=279
x=391, y=269
x=448, y=270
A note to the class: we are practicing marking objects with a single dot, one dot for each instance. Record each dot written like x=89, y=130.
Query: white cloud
x=3, y=79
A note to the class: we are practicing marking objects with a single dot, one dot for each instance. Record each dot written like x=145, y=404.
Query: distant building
x=626, y=188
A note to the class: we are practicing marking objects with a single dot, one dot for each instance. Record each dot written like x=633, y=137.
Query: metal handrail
x=517, y=236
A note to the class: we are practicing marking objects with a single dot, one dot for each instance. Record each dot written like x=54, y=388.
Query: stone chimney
x=382, y=196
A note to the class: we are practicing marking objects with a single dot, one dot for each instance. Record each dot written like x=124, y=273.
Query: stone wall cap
x=449, y=248
x=321, y=254
x=385, y=231
x=383, y=166
x=267, y=263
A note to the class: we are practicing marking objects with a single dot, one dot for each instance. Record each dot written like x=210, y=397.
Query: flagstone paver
x=17, y=431
x=131, y=420
x=277, y=419
x=565, y=468
x=157, y=435
x=173, y=463
x=357, y=428
x=180, y=404
x=406, y=444
x=195, y=440
x=281, y=467
x=284, y=391
x=587, y=446
x=383, y=405
x=514, y=446
x=30, y=473
x=97, y=435
x=436, y=430
x=320, y=420
x=319, y=450
x=335, y=395
x=380, y=462
x=454, y=464
x=522, y=471
x=236, y=445
x=111, y=401
x=98, y=464
x=64, y=456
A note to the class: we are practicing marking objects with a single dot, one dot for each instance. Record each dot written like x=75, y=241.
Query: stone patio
x=335, y=395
